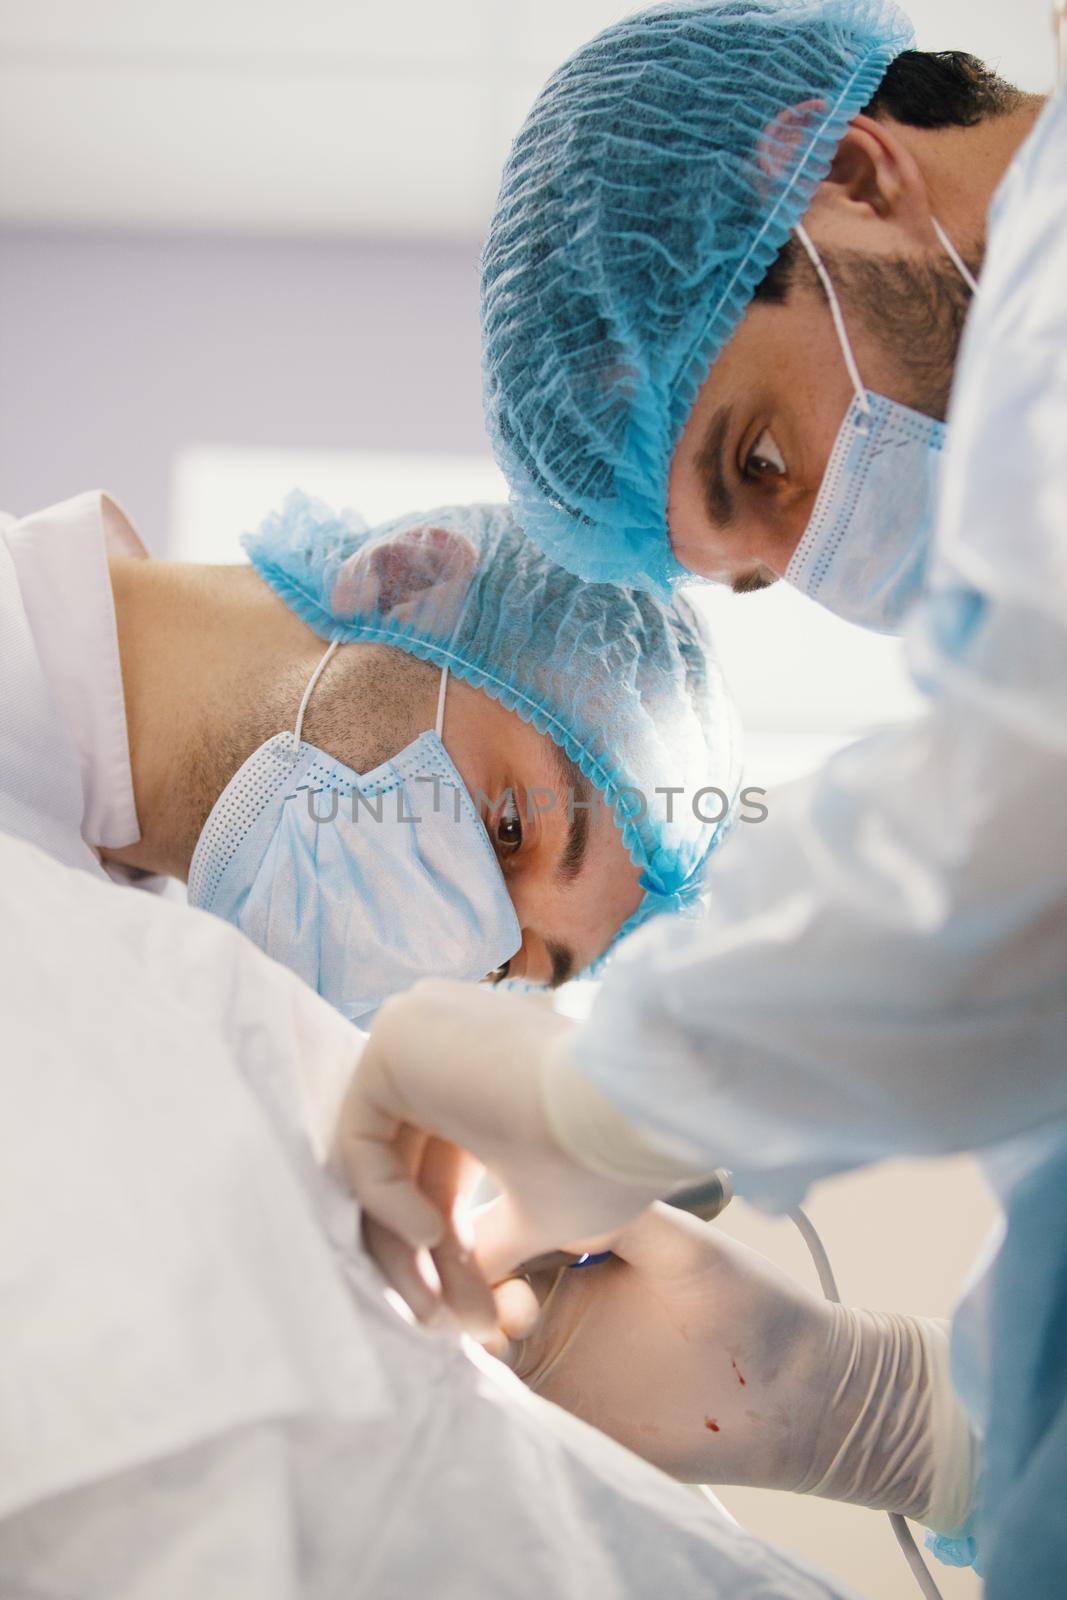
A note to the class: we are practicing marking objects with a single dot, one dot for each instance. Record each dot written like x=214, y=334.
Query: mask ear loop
x=439, y=725
x=954, y=256
x=315, y=676
x=839, y=321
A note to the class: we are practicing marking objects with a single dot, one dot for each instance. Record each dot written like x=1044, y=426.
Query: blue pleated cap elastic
x=653, y=183
x=628, y=687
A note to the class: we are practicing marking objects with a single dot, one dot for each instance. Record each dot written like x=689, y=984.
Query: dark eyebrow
x=709, y=463
x=562, y=963
x=572, y=782
x=752, y=582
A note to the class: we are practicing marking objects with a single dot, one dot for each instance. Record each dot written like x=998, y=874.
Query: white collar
x=60, y=557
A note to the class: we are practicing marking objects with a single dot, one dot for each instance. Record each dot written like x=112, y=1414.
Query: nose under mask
x=361, y=883
x=864, y=551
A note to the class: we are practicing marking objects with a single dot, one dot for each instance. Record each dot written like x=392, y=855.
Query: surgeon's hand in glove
x=709, y=1361
x=486, y=1072
x=441, y=1287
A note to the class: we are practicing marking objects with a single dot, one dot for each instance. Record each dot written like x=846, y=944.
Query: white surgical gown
x=204, y=1394
x=883, y=964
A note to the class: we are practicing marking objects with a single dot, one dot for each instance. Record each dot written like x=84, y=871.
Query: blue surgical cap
x=653, y=183
x=629, y=688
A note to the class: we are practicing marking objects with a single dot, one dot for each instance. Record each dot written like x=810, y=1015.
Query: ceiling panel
x=328, y=116
x=248, y=30
x=326, y=155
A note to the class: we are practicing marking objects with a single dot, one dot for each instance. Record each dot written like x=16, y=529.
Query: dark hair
x=941, y=89
x=924, y=89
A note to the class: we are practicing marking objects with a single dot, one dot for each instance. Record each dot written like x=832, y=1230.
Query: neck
x=207, y=654
x=962, y=168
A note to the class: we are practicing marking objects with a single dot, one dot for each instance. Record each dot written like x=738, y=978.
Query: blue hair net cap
x=653, y=183
x=628, y=687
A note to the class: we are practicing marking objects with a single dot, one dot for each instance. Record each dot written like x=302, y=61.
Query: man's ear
x=874, y=177
x=425, y=562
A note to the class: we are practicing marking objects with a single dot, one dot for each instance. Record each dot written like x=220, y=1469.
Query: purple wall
x=116, y=351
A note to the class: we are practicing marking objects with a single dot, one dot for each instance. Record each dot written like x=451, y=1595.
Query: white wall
x=121, y=351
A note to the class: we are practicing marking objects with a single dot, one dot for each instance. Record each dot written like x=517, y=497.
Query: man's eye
x=509, y=826
x=764, y=460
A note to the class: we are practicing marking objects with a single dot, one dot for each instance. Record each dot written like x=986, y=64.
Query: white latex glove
x=483, y=1071
x=712, y=1363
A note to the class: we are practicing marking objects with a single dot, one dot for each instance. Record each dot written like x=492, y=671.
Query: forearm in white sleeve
x=596, y=1134
x=882, y=967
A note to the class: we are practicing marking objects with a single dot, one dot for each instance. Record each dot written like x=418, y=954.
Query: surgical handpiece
x=704, y=1200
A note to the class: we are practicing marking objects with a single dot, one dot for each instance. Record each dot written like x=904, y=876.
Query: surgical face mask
x=863, y=553
x=361, y=884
